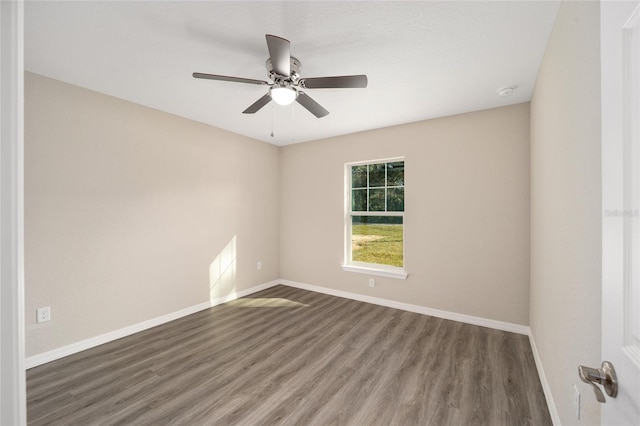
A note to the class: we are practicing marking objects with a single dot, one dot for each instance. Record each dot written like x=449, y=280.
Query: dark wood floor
x=294, y=357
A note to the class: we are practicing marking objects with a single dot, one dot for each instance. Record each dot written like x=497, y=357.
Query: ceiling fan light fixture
x=283, y=95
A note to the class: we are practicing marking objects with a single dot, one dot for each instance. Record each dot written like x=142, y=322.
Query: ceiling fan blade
x=339, y=82
x=257, y=105
x=280, y=54
x=227, y=78
x=312, y=106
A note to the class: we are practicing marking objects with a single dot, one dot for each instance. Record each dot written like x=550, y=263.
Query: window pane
x=377, y=239
x=376, y=175
x=395, y=174
x=376, y=200
x=359, y=200
x=395, y=199
x=359, y=176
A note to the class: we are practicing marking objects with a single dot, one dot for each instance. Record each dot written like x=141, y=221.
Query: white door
x=620, y=56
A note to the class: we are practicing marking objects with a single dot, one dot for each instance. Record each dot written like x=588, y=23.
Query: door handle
x=605, y=376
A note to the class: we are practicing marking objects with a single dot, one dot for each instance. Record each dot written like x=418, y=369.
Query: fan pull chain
x=293, y=119
x=271, y=120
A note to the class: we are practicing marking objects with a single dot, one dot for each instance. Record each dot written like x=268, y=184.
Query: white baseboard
x=468, y=319
x=553, y=410
x=43, y=358
x=52, y=355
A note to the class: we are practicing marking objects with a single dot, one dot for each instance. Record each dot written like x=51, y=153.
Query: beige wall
x=466, y=219
x=566, y=207
x=127, y=207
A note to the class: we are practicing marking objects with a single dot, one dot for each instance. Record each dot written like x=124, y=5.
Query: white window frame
x=365, y=267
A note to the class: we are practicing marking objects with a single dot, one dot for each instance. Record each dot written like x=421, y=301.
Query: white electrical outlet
x=576, y=401
x=259, y=266
x=43, y=314
x=372, y=282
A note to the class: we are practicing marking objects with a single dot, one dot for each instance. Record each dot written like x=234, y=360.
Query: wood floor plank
x=286, y=356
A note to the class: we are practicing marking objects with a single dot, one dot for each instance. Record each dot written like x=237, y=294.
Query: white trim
x=400, y=273
x=553, y=410
x=13, y=405
x=43, y=358
x=454, y=316
x=377, y=161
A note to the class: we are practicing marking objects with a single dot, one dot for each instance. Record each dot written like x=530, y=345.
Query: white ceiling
x=423, y=59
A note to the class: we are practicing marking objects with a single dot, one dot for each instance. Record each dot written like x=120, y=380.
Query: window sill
x=397, y=273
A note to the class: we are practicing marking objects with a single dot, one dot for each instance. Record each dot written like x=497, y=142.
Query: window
x=374, y=220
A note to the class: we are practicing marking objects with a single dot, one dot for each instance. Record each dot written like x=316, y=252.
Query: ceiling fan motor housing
x=295, y=71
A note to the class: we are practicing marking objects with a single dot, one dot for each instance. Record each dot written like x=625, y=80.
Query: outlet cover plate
x=43, y=314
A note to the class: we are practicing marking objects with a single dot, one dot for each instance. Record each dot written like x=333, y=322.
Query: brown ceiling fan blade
x=312, y=106
x=257, y=105
x=227, y=78
x=280, y=54
x=337, y=82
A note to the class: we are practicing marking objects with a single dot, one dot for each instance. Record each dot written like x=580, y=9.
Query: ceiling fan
x=286, y=85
